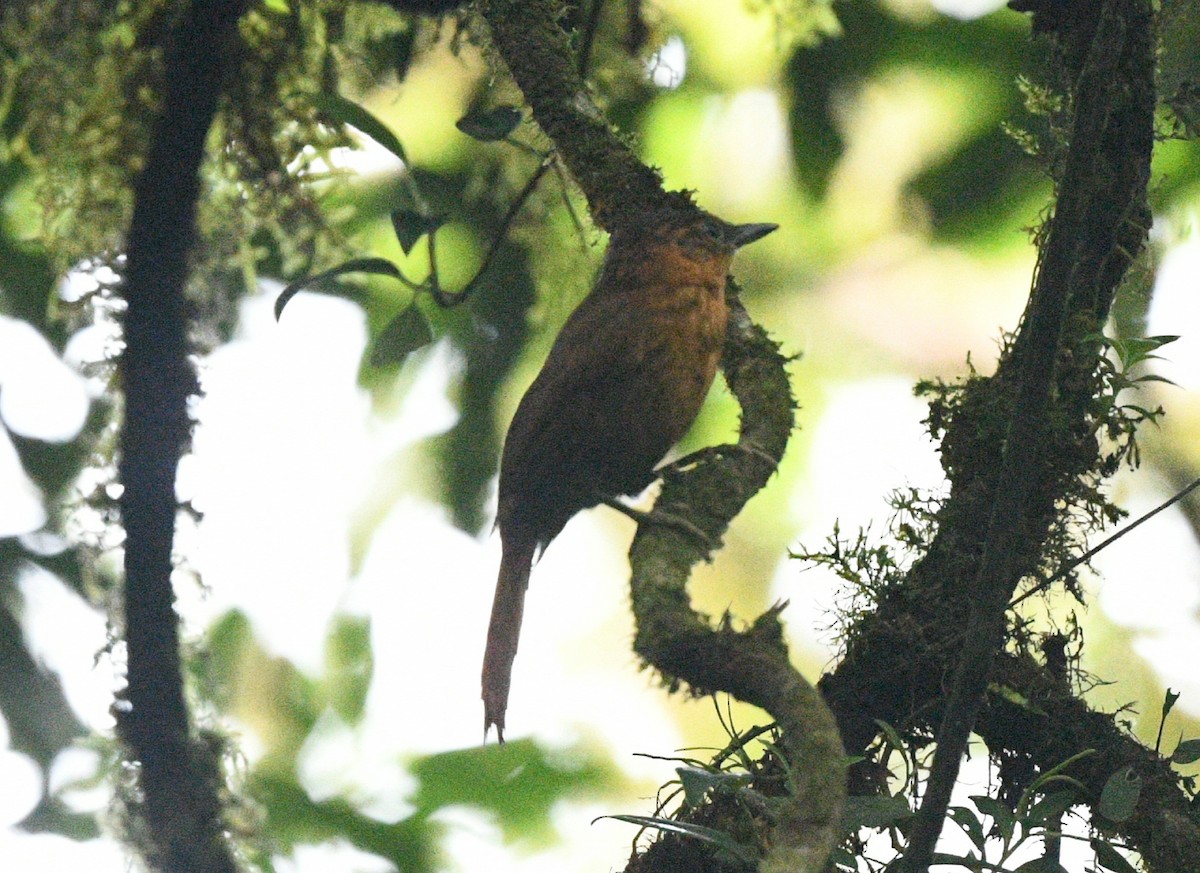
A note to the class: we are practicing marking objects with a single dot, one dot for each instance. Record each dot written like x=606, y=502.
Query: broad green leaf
x=891, y=733
x=490, y=125
x=1050, y=808
x=897, y=742
x=518, y=783
x=1005, y=821
x=376, y=266
x=970, y=824
x=697, y=782
x=338, y=108
x=1186, y=752
x=403, y=335
x=250, y=682
x=294, y=818
x=1120, y=795
x=1110, y=859
x=411, y=226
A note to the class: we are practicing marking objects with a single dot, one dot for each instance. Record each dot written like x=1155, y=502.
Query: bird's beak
x=744, y=234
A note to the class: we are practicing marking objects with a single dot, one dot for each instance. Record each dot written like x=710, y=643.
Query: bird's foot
x=665, y=519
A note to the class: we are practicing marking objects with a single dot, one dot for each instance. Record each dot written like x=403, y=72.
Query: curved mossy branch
x=535, y=49
x=752, y=665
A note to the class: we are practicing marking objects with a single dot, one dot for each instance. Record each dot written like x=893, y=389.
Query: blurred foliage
x=79, y=80
x=973, y=186
x=515, y=784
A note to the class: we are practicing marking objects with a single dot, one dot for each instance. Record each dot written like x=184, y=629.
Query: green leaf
x=897, y=742
x=873, y=812
x=402, y=336
x=1050, y=808
x=293, y=818
x=744, y=854
x=697, y=782
x=891, y=733
x=970, y=824
x=1135, y=350
x=491, y=125
x=411, y=226
x=349, y=666
x=1186, y=752
x=1110, y=859
x=1154, y=377
x=246, y=677
x=376, y=266
x=1120, y=795
x=1140, y=410
x=1053, y=774
x=518, y=783
x=344, y=111
x=1005, y=821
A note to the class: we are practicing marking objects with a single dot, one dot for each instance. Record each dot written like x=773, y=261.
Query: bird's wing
x=587, y=425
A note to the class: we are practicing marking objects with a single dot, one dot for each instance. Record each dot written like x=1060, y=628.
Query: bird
x=623, y=382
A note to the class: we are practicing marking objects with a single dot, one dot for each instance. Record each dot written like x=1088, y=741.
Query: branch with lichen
x=1020, y=450
x=1052, y=724
x=1101, y=202
x=753, y=664
x=615, y=182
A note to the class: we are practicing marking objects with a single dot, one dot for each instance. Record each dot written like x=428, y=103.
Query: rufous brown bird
x=622, y=384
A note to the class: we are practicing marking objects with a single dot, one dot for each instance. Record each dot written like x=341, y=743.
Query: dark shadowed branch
x=1099, y=226
x=177, y=814
x=1017, y=448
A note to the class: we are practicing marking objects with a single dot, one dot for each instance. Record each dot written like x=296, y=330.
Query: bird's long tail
x=505, y=629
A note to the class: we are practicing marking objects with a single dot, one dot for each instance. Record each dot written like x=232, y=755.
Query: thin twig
x=450, y=299
x=1104, y=544
x=589, y=37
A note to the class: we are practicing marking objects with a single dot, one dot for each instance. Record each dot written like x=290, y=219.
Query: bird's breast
x=682, y=343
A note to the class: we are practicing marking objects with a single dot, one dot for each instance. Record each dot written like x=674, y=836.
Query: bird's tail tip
x=490, y=719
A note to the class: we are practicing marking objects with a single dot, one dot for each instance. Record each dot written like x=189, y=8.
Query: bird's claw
x=666, y=519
